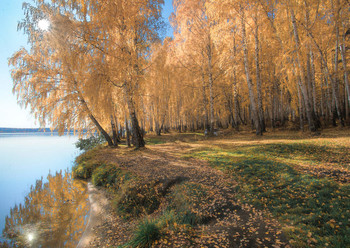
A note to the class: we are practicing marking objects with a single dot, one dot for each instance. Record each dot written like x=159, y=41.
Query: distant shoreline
x=6, y=130
x=24, y=130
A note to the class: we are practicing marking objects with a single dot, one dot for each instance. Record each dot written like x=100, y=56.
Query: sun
x=30, y=237
x=44, y=24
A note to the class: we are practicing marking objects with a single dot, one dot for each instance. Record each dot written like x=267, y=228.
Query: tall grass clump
x=147, y=232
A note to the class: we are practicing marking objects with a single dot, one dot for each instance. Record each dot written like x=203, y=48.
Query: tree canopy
x=102, y=65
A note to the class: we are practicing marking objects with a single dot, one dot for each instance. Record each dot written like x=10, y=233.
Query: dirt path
x=103, y=223
x=232, y=224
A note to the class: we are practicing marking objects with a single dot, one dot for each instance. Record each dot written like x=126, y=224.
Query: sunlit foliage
x=102, y=65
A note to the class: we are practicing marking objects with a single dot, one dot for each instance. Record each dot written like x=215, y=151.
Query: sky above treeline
x=11, y=114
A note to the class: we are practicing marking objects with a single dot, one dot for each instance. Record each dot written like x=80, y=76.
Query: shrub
x=85, y=164
x=90, y=143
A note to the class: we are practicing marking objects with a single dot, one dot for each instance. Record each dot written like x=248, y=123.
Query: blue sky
x=11, y=114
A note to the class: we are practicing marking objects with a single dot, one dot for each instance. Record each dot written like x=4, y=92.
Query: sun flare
x=44, y=24
x=30, y=237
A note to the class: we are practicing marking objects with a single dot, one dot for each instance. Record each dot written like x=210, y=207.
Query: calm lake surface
x=41, y=205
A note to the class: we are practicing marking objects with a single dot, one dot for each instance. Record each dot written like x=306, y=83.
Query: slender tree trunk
x=309, y=80
x=272, y=104
x=114, y=131
x=235, y=91
x=346, y=103
x=321, y=99
x=346, y=76
x=254, y=112
x=93, y=119
x=301, y=120
x=334, y=82
x=205, y=103
x=99, y=127
x=211, y=88
x=151, y=118
x=258, y=78
x=127, y=131
x=335, y=88
x=313, y=82
x=236, y=104
x=304, y=91
x=328, y=94
x=301, y=112
x=281, y=106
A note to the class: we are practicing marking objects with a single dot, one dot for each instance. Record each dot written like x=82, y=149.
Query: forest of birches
x=106, y=66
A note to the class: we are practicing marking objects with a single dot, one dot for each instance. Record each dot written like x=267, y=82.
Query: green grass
x=179, y=217
x=85, y=164
x=308, y=152
x=186, y=199
x=108, y=175
x=154, y=141
x=315, y=211
x=146, y=233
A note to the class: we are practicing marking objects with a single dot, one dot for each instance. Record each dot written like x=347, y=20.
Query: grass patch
x=146, y=233
x=85, y=164
x=315, y=211
x=308, y=152
x=184, y=211
x=135, y=198
x=186, y=199
x=154, y=141
x=174, y=137
x=110, y=176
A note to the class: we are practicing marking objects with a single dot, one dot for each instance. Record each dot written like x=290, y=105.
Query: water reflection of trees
x=53, y=214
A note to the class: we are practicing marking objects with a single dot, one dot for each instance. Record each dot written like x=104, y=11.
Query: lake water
x=50, y=212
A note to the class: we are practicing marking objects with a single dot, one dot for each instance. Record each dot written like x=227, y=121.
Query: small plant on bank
x=147, y=232
x=90, y=142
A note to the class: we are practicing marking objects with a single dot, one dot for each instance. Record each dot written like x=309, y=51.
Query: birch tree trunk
x=138, y=140
x=97, y=124
x=127, y=131
x=254, y=113
x=258, y=78
x=92, y=117
x=235, y=91
x=346, y=76
x=114, y=131
x=313, y=81
x=211, y=90
x=304, y=91
x=205, y=103
x=300, y=99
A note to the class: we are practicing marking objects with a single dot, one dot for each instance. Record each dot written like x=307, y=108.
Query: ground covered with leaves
x=236, y=190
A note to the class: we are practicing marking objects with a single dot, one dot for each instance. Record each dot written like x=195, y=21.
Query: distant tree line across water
x=29, y=130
